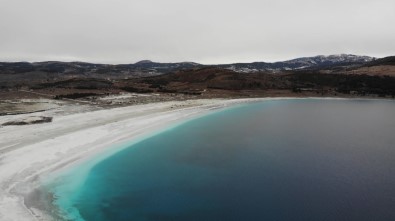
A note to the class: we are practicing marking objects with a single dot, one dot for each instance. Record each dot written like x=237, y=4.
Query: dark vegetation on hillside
x=346, y=84
x=216, y=78
x=383, y=61
x=89, y=83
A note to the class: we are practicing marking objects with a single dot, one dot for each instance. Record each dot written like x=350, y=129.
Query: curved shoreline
x=81, y=137
x=77, y=138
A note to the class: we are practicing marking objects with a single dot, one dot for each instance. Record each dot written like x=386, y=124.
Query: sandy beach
x=30, y=152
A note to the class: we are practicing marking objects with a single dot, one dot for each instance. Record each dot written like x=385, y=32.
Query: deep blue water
x=275, y=160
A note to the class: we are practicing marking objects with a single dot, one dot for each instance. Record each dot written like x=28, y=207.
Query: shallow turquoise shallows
x=276, y=160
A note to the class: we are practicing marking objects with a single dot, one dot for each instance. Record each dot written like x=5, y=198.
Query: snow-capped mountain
x=329, y=60
x=319, y=61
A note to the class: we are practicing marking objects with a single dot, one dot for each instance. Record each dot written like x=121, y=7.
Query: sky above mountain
x=205, y=31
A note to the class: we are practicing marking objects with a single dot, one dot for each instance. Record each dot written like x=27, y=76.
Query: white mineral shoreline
x=31, y=152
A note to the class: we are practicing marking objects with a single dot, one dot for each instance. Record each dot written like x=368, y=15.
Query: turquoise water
x=275, y=160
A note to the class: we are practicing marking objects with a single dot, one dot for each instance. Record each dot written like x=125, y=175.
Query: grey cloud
x=216, y=31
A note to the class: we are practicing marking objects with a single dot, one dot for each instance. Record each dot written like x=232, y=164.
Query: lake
x=296, y=159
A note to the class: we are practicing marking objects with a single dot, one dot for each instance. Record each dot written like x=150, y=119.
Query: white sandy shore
x=30, y=152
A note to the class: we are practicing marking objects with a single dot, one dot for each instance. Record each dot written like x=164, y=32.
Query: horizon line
x=162, y=62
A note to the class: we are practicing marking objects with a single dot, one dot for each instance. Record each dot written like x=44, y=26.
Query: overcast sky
x=205, y=31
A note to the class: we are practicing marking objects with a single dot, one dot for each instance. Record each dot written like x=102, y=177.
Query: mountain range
x=149, y=68
x=326, y=75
